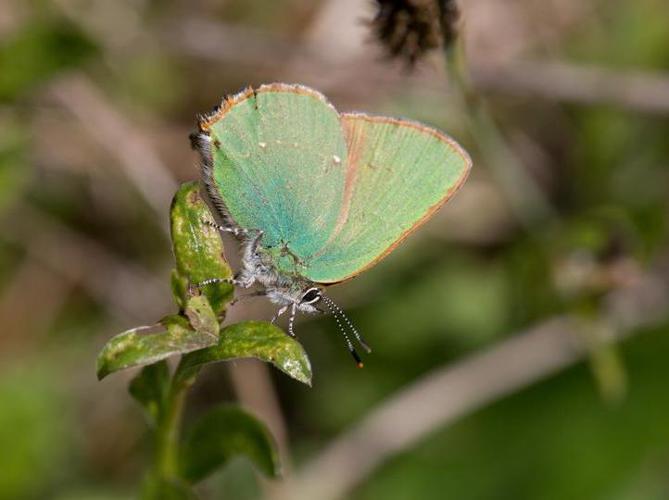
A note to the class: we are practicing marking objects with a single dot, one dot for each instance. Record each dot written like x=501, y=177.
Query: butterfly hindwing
x=398, y=174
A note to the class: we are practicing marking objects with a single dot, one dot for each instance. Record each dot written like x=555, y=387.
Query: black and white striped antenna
x=337, y=312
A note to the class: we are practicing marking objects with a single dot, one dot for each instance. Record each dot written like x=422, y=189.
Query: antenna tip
x=357, y=359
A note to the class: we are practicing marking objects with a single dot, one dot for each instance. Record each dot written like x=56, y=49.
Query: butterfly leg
x=253, y=247
x=211, y=281
x=279, y=313
x=238, y=281
x=220, y=227
x=258, y=293
x=236, y=231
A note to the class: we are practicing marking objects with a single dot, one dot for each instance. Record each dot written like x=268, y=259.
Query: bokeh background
x=520, y=338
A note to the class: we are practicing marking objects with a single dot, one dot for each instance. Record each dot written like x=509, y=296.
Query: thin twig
x=452, y=392
x=113, y=132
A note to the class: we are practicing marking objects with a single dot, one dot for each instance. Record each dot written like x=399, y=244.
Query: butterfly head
x=306, y=297
x=314, y=296
x=310, y=297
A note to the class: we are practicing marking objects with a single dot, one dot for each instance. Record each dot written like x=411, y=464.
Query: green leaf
x=180, y=292
x=150, y=388
x=201, y=315
x=256, y=339
x=224, y=433
x=198, y=248
x=140, y=346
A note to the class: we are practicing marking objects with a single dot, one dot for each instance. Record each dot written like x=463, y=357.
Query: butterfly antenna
x=291, y=321
x=339, y=310
x=331, y=306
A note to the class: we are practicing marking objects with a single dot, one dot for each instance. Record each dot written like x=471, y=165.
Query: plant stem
x=169, y=426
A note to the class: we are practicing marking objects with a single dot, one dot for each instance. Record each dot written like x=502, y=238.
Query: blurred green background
x=565, y=214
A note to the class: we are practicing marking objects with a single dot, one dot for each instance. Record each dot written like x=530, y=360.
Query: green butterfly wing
x=276, y=165
x=398, y=173
x=333, y=193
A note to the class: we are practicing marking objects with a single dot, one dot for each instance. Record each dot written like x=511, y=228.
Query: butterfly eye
x=311, y=296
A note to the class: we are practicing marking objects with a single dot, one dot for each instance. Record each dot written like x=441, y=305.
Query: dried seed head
x=449, y=14
x=410, y=28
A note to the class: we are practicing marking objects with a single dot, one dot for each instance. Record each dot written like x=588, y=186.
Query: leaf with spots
x=198, y=249
x=255, y=339
x=148, y=344
x=201, y=316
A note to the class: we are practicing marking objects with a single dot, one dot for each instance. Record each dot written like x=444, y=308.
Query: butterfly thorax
x=282, y=258
x=276, y=270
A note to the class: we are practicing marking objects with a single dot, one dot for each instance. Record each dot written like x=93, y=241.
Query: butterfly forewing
x=278, y=158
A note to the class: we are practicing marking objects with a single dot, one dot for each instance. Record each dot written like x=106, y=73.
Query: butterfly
x=315, y=196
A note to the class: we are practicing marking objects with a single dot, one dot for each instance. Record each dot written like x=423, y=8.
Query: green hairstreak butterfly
x=317, y=196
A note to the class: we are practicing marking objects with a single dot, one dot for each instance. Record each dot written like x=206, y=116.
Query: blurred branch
x=335, y=32
x=526, y=198
x=311, y=63
x=641, y=91
x=120, y=138
x=636, y=90
x=130, y=292
x=454, y=391
x=114, y=25
x=339, y=27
